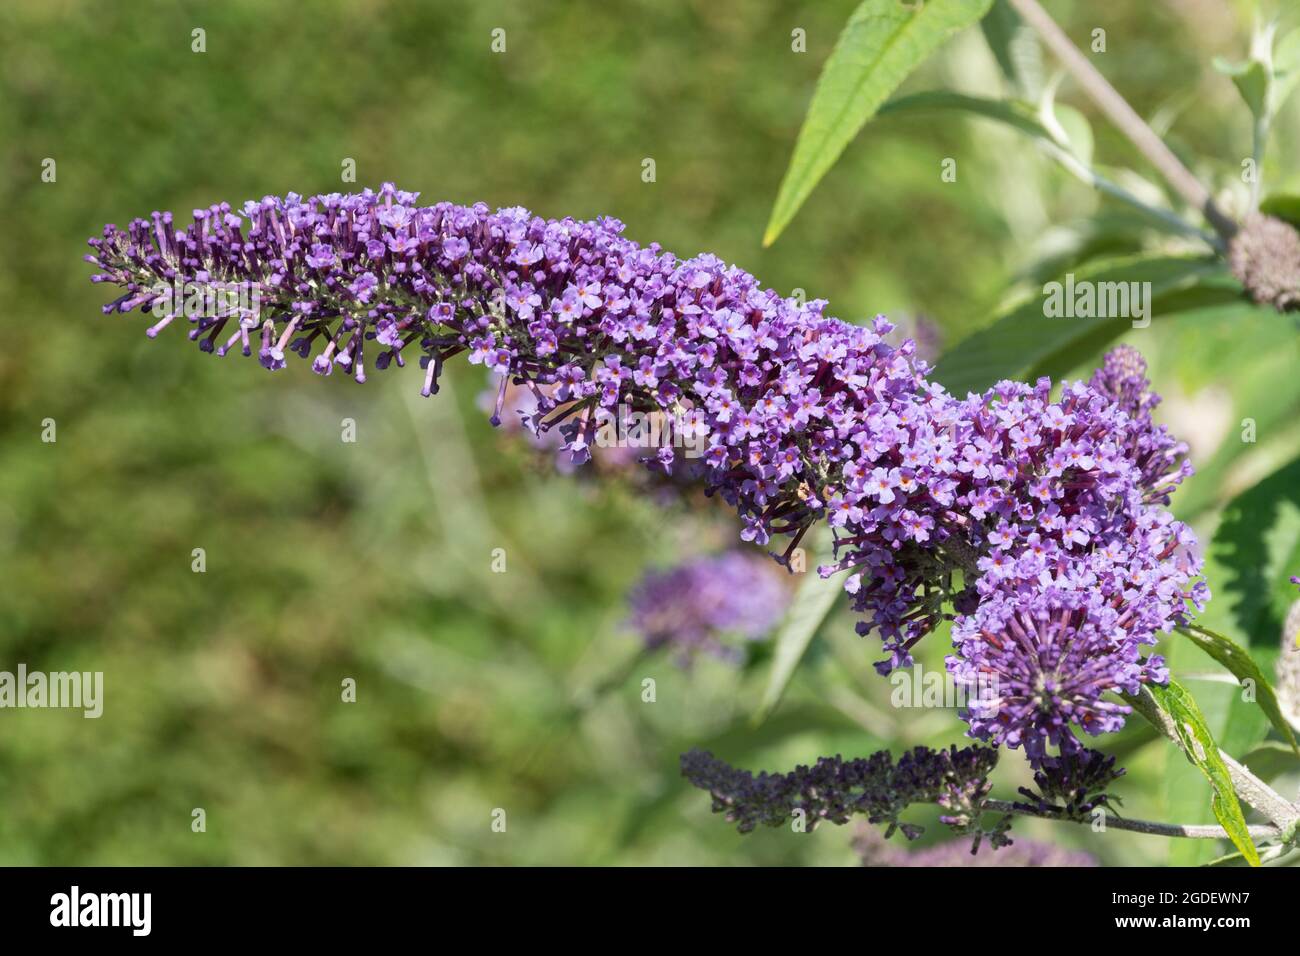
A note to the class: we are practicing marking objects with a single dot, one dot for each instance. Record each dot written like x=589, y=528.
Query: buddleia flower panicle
x=1084, y=575
x=1160, y=458
x=991, y=509
x=834, y=790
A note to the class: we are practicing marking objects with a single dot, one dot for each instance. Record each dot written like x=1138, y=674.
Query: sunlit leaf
x=1202, y=751
x=1016, y=48
x=1252, y=81
x=883, y=42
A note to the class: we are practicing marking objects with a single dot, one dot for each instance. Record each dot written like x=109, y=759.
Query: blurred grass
x=328, y=560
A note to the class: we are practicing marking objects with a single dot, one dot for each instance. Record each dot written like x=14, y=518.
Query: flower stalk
x=1117, y=109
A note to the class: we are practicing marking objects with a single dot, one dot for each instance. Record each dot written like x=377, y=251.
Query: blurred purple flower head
x=702, y=604
x=875, y=851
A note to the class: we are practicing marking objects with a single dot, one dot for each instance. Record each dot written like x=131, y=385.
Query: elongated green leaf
x=1026, y=341
x=1078, y=132
x=882, y=43
x=1015, y=46
x=1235, y=724
x=812, y=603
x=1065, y=130
x=1232, y=859
x=1203, y=752
x=1012, y=112
x=1242, y=666
x=1072, y=130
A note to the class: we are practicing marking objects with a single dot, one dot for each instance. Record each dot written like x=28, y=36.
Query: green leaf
x=1243, y=667
x=1078, y=131
x=812, y=602
x=882, y=43
x=1071, y=129
x=1252, y=80
x=1014, y=113
x=1232, y=859
x=1247, y=560
x=1025, y=342
x=1063, y=133
x=1015, y=46
x=1255, y=550
x=1253, y=358
x=1282, y=206
x=1201, y=750
x=1270, y=760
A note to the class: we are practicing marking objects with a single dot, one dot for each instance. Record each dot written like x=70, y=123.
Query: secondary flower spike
x=943, y=507
x=695, y=606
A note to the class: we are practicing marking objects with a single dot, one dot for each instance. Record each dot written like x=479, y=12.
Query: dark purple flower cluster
x=696, y=606
x=1072, y=785
x=997, y=509
x=834, y=789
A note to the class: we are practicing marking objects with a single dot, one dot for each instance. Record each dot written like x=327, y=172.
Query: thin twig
x=1194, y=831
x=1126, y=120
x=1170, y=220
x=1279, y=810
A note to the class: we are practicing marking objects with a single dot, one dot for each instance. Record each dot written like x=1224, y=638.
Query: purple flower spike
x=1005, y=511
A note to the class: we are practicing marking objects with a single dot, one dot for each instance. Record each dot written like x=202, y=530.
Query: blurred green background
x=328, y=560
